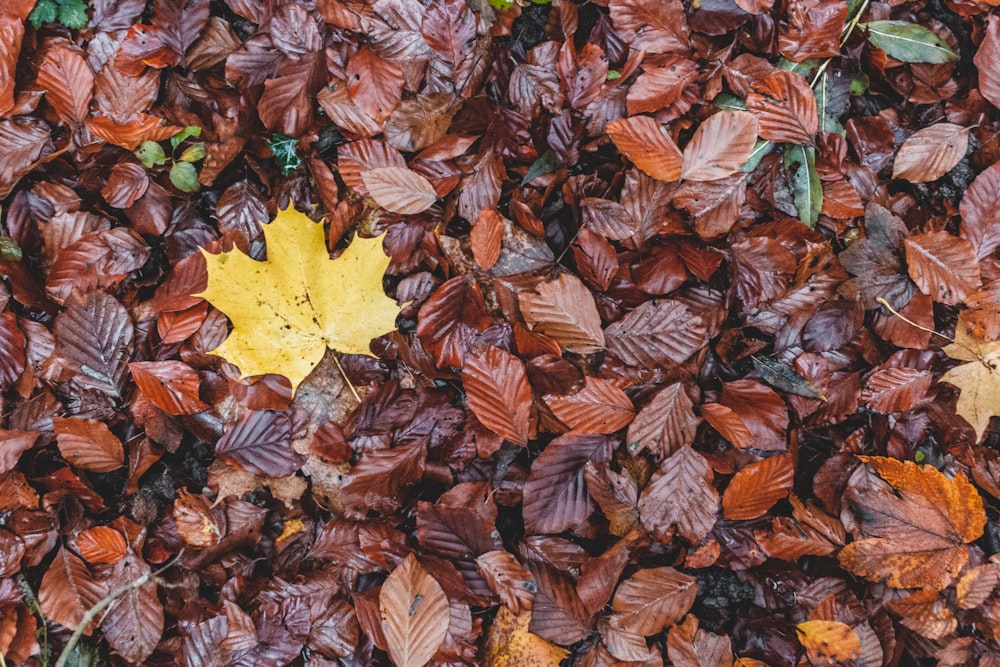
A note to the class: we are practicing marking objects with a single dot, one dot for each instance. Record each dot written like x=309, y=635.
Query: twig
x=898, y=314
x=347, y=380
x=102, y=604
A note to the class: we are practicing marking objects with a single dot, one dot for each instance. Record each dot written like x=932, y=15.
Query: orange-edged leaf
x=88, y=444
x=786, y=107
x=555, y=493
x=129, y=135
x=101, y=545
x=828, y=642
x=653, y=599
x=987, y=60
x=942, y=265
x=665, y=425
x=930, y=153
x=719, y=146
x=925, y=613
x=564, y=310
x=196, y=522
x=895, y=389
x=414, y=614
x=485, y=238
x=12, y=444
x=913, y=523
x=643, y=141
x=599, y=407
x=170, y=385
x=661, y=333
x=510, y=644
x=497, y=388
x=68, y=82
x=508, y=579
x=69, y=590
x=728, y=424
x=754, y=489
x=399, y=190
x=980, y=209
x=680, y=495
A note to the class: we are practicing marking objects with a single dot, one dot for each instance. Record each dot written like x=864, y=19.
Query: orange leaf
x=101, y=544
x=787, y=108
x=643, y=141
x=509, y=643
x=496, y=385
x=68, y=81
x=728, y=424
x=485, y=238
x=68, y=590
x=600, y=407
x=828, y=642
x=415, y=614
x=913, y=523
x=129, y=135
x=170, y=385
x=88, y=444
x=720, y=146
x=925, y=613
x=754, y=489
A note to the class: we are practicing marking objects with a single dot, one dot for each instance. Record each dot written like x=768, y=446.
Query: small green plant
x=70, y=13
x=183, y=173
x=284, y=151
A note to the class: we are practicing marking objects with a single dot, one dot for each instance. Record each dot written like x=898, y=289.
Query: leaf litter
x=628, y=332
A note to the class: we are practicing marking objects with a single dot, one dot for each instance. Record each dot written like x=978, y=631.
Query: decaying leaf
x=828, y=642
x=414, y=614
x=284, y=311
x=978, y=378
x=510, y=644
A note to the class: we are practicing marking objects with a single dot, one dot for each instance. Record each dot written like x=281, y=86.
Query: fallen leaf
x=978, y=379
x=509, y=643
x=719, y=146
x=643, y=141
x=828, y=642
x=284, y=312
x=931, y=152
x=414, y=614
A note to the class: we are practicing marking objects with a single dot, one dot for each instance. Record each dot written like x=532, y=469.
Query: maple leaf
x=287, y=310
x=978, y=378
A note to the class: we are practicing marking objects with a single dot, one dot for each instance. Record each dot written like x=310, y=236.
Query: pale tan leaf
x=564, y=310
x=399, y=190
x=415, y=614
x=720, y=146
x=930, y=153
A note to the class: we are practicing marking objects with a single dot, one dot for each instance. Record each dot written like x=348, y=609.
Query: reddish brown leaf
x=69, y=590
x=11, y=34
x=101, y=545
x=930, y=153
x=196, y=522
x=507, y=579
x=496, y=385
x=690, y=646
x=485, y=238
x=94, y=339
x=12, y=343
x=665, y=425
x=714, y=207
x=555, y=494
x=924, y=613
x=651, y=600
x=364, y=155
x=134, y=626
x=88, y=444
x=658, y=334
x=756, y=488
x=942, y=265
x=261, y=442
x=414, y=614
x=728, y=424
x=374, y=483
x=68, y=82
x=564, y=309
x=659, y=87
x=450, y=30
x=98, y=259
x=642, y=140
x=129, y=135
x=786, y=107
x=399, y=190
x=172, y=386
x=12, y=445
x=813, y=30
x=761, y=409
x=449, y=321
x=651, y=25
x=599, y=407
x=21, y=143
x=980, y=209
x=719, y=146
x=374, y=84
x=126, y=183
x=987, y=60
x=680, y=496
x=895, y=389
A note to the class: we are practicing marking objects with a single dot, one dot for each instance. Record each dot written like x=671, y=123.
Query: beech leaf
x=414, y=614
x=284, y=311
x=930, y=153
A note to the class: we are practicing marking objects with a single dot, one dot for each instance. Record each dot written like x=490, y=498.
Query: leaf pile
x=590, y=332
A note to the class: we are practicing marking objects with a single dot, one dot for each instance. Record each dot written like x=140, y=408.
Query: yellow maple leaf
x=510, y=644
x=287, y=310
x=978, y=380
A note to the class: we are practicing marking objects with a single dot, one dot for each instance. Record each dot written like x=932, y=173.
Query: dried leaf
x=496, y=385
x=88, y=444
x=786, y=107
x=564, y=309
x=555, y=493
x=978, y=378
x=665, y=425
x=399, y=190
x=510, y=644
x=598, y=407
x=942, y=265
x=414, y=614
x=658, y=334
x=508, y=579
x=930, y=153
x=651, y=600
x=756, y=488
x=261, y=442
x=828, y=642
x=101, y=545
x=642, y=140
x=680, y=495
x=720, y=146
x=987, y=61
x=69, y=83
x=171, y=386
x=69, y=590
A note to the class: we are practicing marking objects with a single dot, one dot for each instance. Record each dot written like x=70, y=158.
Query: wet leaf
x=414, y=614
x=909, y=42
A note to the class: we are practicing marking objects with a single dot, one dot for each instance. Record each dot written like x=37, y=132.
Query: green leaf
x=783, y=378
x=150, y=154
x=9, y=249
x=45, y=11
x=729, y=101
x=760, y=149
x=73, y=14
x=546, y=164
x=184, y=177
x=193, y=153
x=807, y=189
x=189, y=131
x=612, y=75
x=284, y=151
x=910, y=43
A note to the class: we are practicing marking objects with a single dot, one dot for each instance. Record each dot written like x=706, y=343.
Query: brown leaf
x=68, y=82
x=651, y=25
x=977, y=585
x=94, y=339
x=450, y=319
x=659, y=87
x=261, y=442
x=69, y=590
x=599, y=407
x=913, y=523
x=942, y=265
x=813, y=30
x=728, y=424
x=680, y=495
x=399, y=190
x=651, y=600
x=564, y=309
x=127, y=182
x=101, y=545
x=786, y=107
x=12, y=350
x=662, y=333
x=172, y=386
x=924, y=613
x=719, y=146
x=88, y=444
x=877, y=261
x=930, y=153
x=987, y=60
x=13, y=443
x=555, y=493
x=11, y=35
x=642, y=140
x=895, y=389
x=21, y=143
x=690, y=646
x=374, y=84
x=828, y=642
x=497, y=389
x=134, y=626
x=756, y=488
x=714, y=206
x=196, y=523
x=980, y=209
x=486, y=237
x=508, y=579
x=761, y=409
x=414, y=614
x=96, y=260
x=665, y=425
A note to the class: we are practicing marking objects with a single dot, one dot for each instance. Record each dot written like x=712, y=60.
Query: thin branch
x=347, y=380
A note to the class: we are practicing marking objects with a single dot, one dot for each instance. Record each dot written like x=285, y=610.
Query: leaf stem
x=347, y=380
